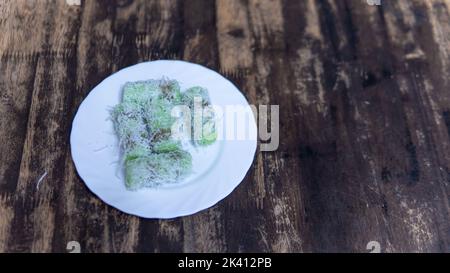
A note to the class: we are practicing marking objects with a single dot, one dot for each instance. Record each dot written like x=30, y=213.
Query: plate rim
x=220, y=197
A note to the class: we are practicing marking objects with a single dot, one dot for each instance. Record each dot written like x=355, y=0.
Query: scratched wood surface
x=364, y=98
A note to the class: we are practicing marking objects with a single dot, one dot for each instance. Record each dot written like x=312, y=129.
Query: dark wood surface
x=364, y=102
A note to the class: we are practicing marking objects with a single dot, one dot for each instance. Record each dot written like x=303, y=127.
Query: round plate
x=217, y=169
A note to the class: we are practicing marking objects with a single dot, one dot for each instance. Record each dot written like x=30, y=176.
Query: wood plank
x=32, y=226
x=204, y=231
x=364, y=150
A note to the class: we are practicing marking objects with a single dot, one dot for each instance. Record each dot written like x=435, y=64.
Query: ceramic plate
x=217, y=169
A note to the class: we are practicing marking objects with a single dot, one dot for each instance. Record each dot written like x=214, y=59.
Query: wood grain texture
x=364, y=100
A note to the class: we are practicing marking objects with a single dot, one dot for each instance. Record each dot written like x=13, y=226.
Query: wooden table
x=364, y=101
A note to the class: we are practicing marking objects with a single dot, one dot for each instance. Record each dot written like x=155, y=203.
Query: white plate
x=217, y=169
